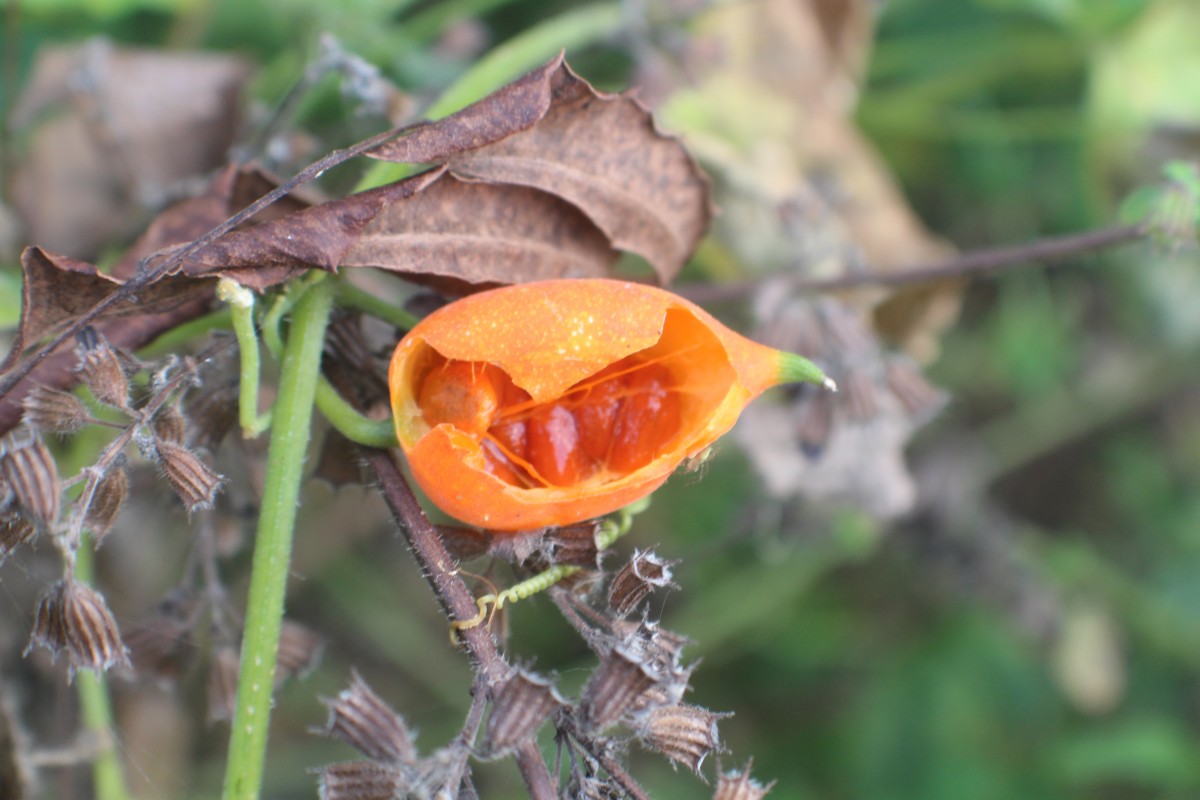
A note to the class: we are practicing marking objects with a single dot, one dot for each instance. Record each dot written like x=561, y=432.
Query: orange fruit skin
x=549, y=336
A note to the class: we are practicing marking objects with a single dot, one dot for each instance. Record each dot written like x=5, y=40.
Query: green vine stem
x=241, y=309
x=354, y=297
x=96, y=709
x=273, y=545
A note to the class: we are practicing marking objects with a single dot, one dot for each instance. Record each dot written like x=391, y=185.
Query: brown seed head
x=162, y=646
x=300, y=650
x=862, y=403
x=685, y=734
x=28, y=470
x=361, y=719
x=107, y=500
x=223, y=673
x=73, y=618
x=738, y=785
x=918, y=396
x=193, y=481
x=589, y=787
x=643, y=573
x=213, y=413
x=621, y=679
x=53, y=410
x=519, y=708
x=101, y=370
x=15, y=530
x=170, y=425
x=573, y=545
x=362, y=780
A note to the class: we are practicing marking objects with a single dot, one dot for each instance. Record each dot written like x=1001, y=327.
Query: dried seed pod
x=213, y=413
x=362, y=780
x=15, y=530
x=101, y=370
x=590, y=787
x=738, y=785
x=661, y=651
x=814, y=425
x=73, y=618
x=641, y=575
x=300, y=650
x=107, y=500
x=685, y=734
x=621, y=679
x=29, y=471
x=361, y=719
x=573, y=545
x=170, y=425
x=519, y=708
x=53, y=410
x=223, y=671
x=163, y=646
x=918, y=396
x=464, y=543
x=861, y=402
x=193, y=481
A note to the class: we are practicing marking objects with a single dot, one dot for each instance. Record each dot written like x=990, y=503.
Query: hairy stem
x=273, y=544
x=456, y=600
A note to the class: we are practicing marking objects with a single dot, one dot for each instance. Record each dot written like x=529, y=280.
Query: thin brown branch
x=1041, y=252
x=607, y=762
x=456, y=600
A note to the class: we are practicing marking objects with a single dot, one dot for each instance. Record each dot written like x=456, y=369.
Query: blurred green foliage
x=855, y=668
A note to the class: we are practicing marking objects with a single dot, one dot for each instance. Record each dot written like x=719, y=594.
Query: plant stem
x=456, y=600
x=241, y=308
x=273, y=545
x=96, y=708
x=347, y=421
x=351, y=295
x=980, y=262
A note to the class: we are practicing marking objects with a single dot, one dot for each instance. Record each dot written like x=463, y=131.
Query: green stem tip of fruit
x=798, y=369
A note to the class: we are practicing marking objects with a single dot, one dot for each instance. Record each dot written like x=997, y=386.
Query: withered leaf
x=53, y=300
x=232, y=189
x=603, y=154
x=431, y=225
x=58, y=289
x=482, y=233
x=319, y=236
x=502, y=113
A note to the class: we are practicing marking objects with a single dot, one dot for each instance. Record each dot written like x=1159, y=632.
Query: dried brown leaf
x=319, y=236
x=502, y=113
x=552, y=131
x=58, y=290
x=602, y=153
x=480, y=233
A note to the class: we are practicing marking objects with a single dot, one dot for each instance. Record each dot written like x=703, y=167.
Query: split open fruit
x=554, y=402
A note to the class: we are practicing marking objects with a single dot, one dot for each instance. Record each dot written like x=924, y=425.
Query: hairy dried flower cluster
x=72, y=619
